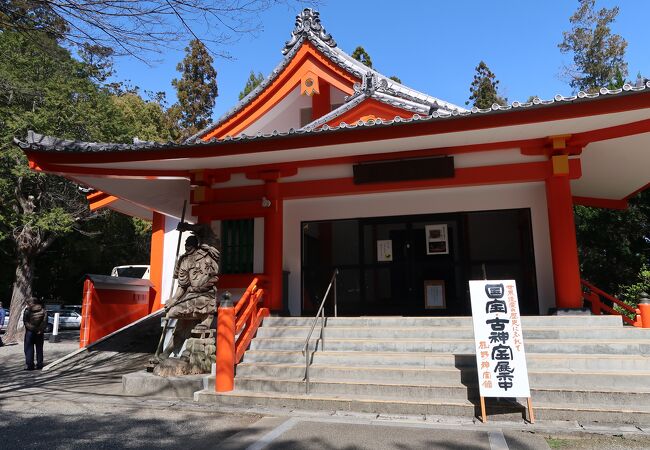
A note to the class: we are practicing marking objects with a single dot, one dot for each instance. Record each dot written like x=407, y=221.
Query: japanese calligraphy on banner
x=500, y=356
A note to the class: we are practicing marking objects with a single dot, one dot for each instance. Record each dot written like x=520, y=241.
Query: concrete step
x=462, y=346
x=600, y=363
x=400, y=322
x=565, y=379
x=496, y=410
x=422, y=392
x=445, y=332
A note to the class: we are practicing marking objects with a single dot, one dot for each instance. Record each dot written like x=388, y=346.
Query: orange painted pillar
x=273, y=246
x=320, y=103
x=86, y=313
x=156, y=260
x=564, y=249
x=225, y=379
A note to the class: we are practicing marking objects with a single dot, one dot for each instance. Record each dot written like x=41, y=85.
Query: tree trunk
x=22, y=292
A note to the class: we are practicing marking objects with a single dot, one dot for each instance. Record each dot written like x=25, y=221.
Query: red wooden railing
x=595, y=298
x=248, y=317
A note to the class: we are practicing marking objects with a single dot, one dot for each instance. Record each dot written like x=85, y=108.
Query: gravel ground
x=603, y=442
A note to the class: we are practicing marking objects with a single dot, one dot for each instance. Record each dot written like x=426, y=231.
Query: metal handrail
x=320, y=312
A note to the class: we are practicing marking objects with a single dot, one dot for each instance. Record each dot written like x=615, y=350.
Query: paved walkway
x=82, y=407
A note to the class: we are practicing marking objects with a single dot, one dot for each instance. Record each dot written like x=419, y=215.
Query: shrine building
x=329, y=164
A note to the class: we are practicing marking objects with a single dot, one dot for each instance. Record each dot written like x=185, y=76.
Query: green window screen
x=237, y=246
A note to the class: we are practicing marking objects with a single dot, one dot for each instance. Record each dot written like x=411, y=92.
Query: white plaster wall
x=169, y=255
x=283, y=116
x=462, y=160
x=322, y=173
x=430, y=201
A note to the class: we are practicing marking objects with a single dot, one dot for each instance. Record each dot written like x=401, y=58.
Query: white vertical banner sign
x=500, y=356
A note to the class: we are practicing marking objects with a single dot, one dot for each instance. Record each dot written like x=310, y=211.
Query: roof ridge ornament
x=308, y=23
x=369, y=84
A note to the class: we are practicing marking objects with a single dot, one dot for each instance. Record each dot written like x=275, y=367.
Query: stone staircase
x=580, y=368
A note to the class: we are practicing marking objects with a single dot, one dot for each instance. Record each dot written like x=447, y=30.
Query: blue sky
x=433, y=46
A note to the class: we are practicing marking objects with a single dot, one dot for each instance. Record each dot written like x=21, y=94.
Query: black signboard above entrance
x=404, y=170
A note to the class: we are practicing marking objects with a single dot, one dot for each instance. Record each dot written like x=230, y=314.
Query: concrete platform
x=147, y=384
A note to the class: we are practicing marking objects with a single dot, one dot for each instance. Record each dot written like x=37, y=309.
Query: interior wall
x=430, y=201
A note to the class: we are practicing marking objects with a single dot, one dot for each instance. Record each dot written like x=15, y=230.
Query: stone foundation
x=197, y=358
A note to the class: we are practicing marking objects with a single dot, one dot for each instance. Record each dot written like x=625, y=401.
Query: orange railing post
x=594, y=300
x=595, y=296
x=637, y=319
x=225, y=378
x=241, y=320
x=644, y=310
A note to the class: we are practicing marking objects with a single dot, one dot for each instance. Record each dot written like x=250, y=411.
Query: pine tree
x=252, y=82
x=197, y=88
x=361, y=55
x=484, y=88
x=598, y=55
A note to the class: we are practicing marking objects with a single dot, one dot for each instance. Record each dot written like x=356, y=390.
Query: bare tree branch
x=141, y=28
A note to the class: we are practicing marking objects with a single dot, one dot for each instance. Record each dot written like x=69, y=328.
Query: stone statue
x=197, y=274
x=194, y=306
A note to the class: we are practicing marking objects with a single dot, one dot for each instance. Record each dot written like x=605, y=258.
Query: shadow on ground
x=97, y=370
x=121, y=428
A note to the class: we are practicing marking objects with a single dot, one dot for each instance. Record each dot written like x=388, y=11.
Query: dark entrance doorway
x=417, y=265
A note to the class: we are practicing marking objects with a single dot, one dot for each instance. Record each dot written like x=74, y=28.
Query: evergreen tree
x=614, y=245
x=45, y=89
x=484, y=88
x=618, y=265
x=197, y=88
x=361, y=55
x=98, y=61
x=598, y=55
x=252, y=82
x=148, y=119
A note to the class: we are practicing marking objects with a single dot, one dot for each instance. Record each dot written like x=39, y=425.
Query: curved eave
x=358, y=133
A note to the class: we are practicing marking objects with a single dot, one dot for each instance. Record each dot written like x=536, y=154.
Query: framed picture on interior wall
x=437, y=239
x=434, y=294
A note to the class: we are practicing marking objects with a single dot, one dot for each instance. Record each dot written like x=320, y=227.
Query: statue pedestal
x=197, y=358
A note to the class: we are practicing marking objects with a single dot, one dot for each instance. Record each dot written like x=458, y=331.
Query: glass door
x=417, y=265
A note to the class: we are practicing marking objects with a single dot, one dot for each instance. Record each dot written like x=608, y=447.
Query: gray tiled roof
x=381, y=90
x=39, y=142
x=308, y=27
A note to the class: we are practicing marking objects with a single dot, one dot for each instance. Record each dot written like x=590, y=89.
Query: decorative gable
x=315, y=84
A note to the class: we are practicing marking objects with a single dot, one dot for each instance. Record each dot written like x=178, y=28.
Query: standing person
x=2, y=320
x=35, y=320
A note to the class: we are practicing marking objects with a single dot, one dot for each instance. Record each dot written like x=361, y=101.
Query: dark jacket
x=35, y=318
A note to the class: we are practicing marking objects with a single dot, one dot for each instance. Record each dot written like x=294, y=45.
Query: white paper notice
x=500, y=356
x=384, y=250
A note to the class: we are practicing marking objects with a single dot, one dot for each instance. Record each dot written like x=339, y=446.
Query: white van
x=138, y=271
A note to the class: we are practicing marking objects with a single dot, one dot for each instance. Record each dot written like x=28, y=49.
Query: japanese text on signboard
x=500, y=356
